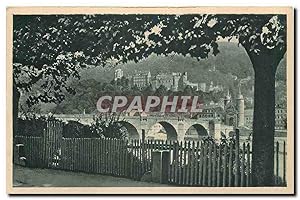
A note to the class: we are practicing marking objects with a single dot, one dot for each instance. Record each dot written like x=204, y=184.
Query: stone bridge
x=176, y=127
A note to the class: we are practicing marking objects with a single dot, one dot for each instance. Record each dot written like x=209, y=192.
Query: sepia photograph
x=196, y=100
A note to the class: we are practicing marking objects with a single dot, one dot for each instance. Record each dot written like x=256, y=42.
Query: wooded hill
x=226, y=69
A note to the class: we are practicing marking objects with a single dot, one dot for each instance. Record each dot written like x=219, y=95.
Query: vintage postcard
x=190, y=100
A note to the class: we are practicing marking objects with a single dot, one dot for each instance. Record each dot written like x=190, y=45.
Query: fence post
x=277, y=164
x=225, y=166
x=230, y=164
x=193, y=161
x=184, y=163
x=201, y=164
x=214, y=165
x=165, y=162
x=248, y=175
x=284, y=163
x=237, y=158
x=180, y=171
x=219, y=166
x=209, y=164
x=204, y=182
x=160, y=166
x=175, y=162
x=143, y=135
x=243, y=166
x=52, y=140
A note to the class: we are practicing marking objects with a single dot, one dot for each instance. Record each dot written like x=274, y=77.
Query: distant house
x=118, y=74
x=141, y=80
x=231, y=113
x=173, y=81
x=280, y=118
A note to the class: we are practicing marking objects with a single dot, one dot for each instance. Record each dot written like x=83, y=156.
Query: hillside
x=232, y=60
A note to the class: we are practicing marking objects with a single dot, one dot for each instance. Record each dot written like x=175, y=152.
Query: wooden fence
x=191, y=163
x=93, y=155
x=209, y=164
x=33, y=150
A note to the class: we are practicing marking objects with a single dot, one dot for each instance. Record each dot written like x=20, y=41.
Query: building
x=248, y=117
x=202, y=87
x=173, y=81
x=118, y=74
x=232, y=113
x=210, y=112
x=280, y=118
x=141, y=80
x=170, y=81
x=214, y=88
x=185, y=82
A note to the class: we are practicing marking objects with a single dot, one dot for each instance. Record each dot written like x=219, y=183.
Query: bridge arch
x=170, y=130
x=196, y=131
x=131, y=130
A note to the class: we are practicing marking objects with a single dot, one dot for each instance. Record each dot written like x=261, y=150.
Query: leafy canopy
x=51, y=49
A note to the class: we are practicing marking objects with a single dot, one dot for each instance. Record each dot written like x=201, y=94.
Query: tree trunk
x=16, y=98
x=263, y=123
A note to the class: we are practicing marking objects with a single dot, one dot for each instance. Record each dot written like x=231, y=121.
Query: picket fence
x=192, y=163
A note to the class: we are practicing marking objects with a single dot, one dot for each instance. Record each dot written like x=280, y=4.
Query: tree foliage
x=52, y=48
